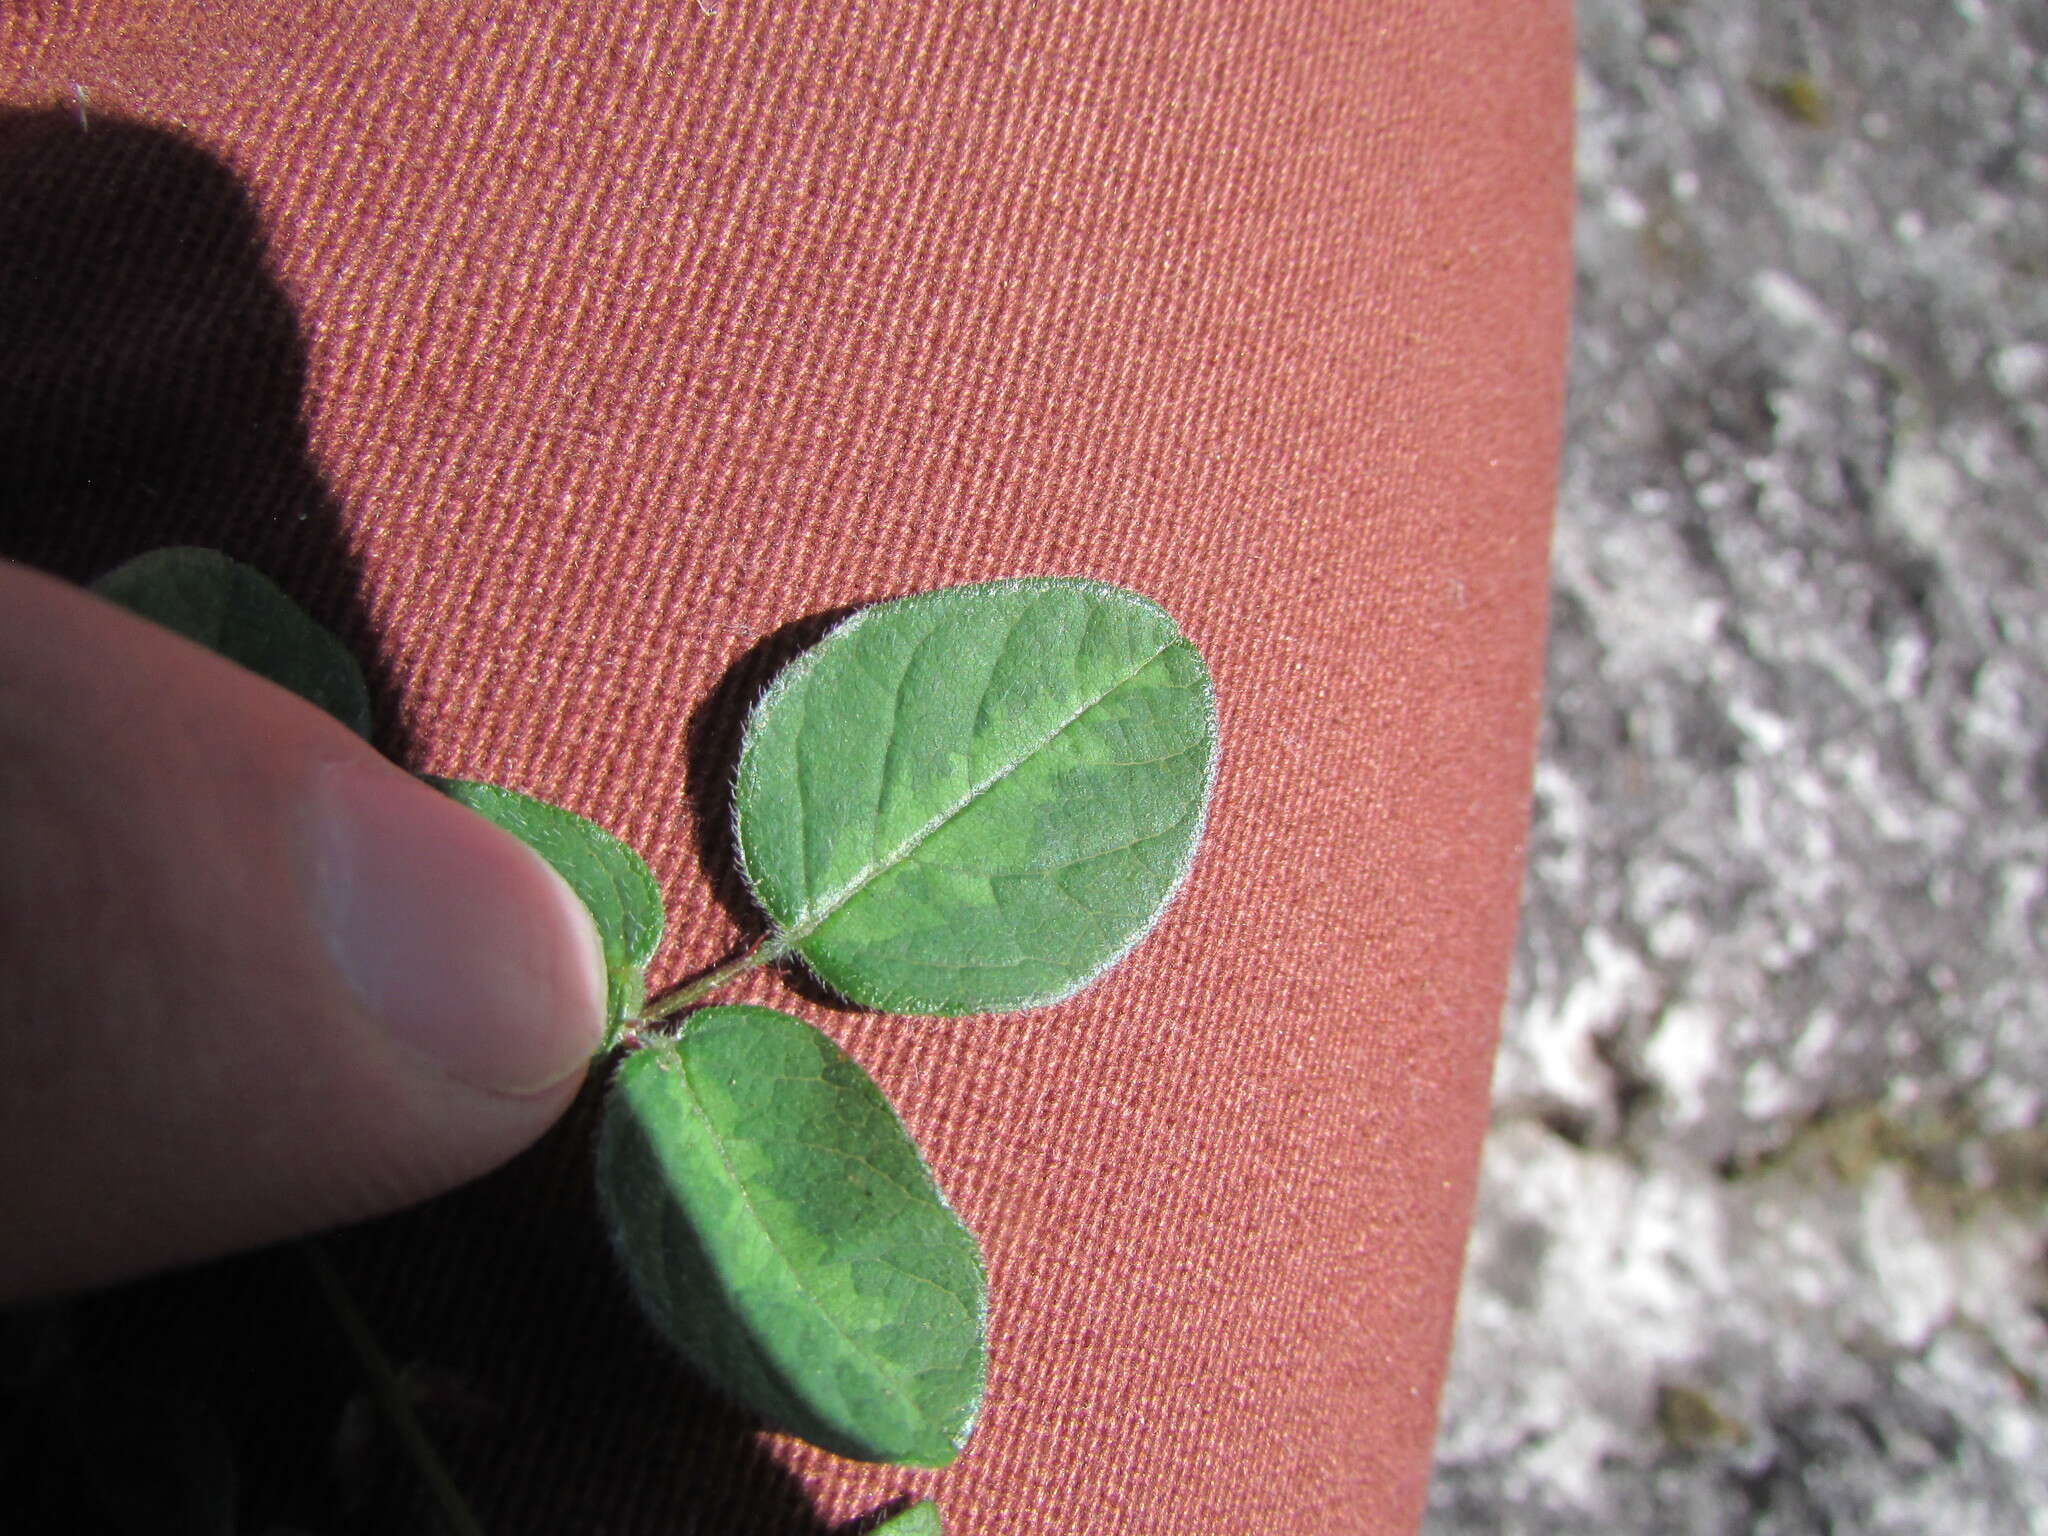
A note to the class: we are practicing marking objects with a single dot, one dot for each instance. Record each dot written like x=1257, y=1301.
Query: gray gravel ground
x=1762, y=1235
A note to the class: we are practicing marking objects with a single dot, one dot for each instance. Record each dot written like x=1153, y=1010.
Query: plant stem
x=767, y=952
x=389, y=1390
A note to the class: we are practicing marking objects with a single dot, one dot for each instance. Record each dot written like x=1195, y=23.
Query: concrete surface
x=1761, y=1237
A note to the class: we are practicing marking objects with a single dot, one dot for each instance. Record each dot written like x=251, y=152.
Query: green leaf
x=613, y=881
x=921, y=1519
x=780, y=1228
x=237, y=612
x=978, y=799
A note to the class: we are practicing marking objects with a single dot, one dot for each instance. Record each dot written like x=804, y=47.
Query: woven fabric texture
x=580, y=360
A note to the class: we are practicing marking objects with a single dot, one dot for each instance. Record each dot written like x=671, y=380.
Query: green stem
x=767, y=952
x=389, y=1390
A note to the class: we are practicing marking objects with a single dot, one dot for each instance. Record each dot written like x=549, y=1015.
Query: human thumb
x=254, y=980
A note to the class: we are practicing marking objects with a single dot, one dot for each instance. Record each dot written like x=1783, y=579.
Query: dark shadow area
x=555, y=1405
x=712, y=759
x=152, y=382
x=876, y=1517
x=559, y=1407
x=152, y=373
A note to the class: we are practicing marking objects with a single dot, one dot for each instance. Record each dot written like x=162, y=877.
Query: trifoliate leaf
x=978, y=799
x=613, y=881
x=237, y=612
x=779, y=1227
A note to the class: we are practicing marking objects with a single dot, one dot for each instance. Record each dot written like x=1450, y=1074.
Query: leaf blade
x=919, y=794
x=237, y=612
x=780, y=1229
x=612, y=881
x=921, y=1519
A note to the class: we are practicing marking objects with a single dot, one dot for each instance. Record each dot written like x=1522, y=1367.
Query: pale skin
x=254, y=980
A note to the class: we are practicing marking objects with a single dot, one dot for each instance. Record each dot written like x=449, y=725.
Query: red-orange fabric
x=633, y=334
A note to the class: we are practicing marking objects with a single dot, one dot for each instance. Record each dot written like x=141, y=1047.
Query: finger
x=254, y=980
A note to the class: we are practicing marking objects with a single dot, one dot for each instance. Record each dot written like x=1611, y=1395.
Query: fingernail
x=469, y=948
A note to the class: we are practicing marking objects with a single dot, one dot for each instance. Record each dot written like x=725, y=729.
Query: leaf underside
x=613, y=882
x=237, y=612
x=780, y=1229
x=978, y=799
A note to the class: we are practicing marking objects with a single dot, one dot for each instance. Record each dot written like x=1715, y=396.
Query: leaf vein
x=883, y=1371
x=895, y=733
x=1146, y=762
x=996, y=670
x=964, y=1303
x=810, y=923
x=917, y=1197
x=1089, y=858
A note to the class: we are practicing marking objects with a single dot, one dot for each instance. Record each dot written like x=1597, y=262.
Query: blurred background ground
x=1760, y=1243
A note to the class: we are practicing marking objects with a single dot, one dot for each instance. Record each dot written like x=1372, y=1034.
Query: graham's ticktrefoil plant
x=969, y=801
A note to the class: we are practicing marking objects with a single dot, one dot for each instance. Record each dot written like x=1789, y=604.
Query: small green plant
x=974, y=800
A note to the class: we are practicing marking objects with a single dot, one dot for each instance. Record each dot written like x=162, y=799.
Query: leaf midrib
x=797, y=932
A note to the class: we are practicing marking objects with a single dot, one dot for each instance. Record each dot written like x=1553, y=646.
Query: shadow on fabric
x=713, y=738
x=152, y=372
x=152, y=375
